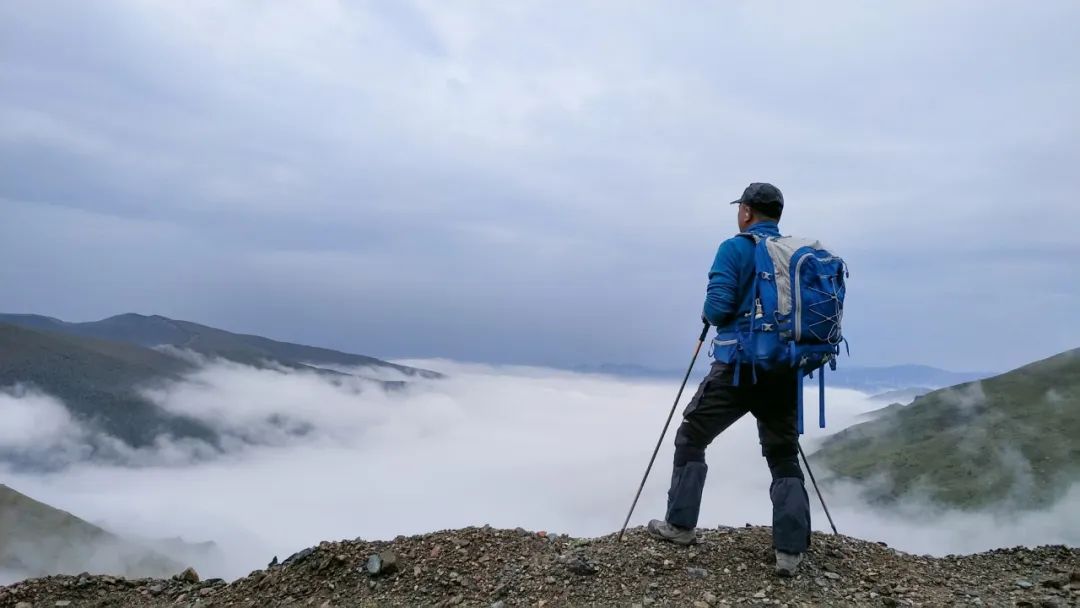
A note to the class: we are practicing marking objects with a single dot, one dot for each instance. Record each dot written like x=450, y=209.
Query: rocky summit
x=503, y=568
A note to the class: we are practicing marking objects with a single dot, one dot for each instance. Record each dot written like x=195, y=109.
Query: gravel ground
x=504, y=568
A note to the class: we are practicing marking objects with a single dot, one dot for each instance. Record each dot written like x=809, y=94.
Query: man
x=720, y=401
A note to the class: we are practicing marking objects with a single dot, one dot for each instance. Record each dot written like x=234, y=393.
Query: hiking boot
x=673, y=534
x=787, y=563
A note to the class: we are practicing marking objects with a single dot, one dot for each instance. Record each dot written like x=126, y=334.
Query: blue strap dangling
x=821, y=398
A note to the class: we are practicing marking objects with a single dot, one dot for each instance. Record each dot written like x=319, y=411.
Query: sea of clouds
x=316, y=459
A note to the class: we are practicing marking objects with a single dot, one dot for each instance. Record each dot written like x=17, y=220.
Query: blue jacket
x=731, y=278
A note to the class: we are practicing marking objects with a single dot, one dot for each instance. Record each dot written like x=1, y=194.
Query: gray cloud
x=531, y=185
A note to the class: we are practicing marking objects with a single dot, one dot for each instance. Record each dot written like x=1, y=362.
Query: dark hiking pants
x=716, y=406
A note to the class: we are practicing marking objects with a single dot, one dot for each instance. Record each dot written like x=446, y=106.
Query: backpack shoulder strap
x=757, y=238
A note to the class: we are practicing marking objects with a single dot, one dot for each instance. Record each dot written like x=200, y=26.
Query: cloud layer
x=506, y=446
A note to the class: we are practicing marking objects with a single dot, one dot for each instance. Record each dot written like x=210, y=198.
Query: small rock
x=709, y=598
x=382, y=563
x=579, y=565
x=157, y=589
x=189, y=576
x=1074, y=577
x=647, y=601
x=700, y=604
x=24, y=605
x=457, y=599
x=299, y=556
x=832, y=576
x=62, y=603
x=1049, y=602
x=206, y=591
x=1053, y=583
x=759, y=595
x=889, y=601
x=550, y=580
x=499, y=604
x=697, y=572
x=1023, y=584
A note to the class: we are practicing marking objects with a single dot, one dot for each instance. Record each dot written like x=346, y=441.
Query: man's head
x=760, y=202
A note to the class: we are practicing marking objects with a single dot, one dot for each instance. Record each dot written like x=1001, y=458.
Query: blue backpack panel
x=797, y=315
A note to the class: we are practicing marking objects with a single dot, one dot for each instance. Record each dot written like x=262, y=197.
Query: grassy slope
x=36, y=539
x=1010, y=440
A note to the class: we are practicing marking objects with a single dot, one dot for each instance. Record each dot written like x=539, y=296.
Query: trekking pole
x=820, y=497
x=697, y=349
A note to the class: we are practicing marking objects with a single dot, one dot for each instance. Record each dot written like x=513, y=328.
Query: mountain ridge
x=156, y=330
x=101, y=372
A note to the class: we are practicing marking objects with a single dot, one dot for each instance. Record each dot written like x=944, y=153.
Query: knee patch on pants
x=685, y=454
x=687, y=447
x=785, y=466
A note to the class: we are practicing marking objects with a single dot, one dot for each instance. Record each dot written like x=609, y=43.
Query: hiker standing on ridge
x=722, y=399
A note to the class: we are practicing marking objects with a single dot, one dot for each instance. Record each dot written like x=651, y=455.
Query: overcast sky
x=507, y=182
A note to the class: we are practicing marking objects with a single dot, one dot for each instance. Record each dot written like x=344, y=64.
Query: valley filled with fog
x=317, y=458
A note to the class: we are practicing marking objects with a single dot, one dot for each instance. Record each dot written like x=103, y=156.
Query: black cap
x=763, y=197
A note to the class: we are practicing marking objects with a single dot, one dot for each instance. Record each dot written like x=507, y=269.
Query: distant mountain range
x=1007, y=441
x=874, y=380
x=903, y=395
x=101, y=370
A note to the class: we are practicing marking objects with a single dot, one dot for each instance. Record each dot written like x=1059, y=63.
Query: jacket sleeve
x=720, y=297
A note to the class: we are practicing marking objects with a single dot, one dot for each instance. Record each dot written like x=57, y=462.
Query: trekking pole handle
x=704, y=331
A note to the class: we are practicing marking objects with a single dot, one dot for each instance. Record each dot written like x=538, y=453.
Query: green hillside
x=150, y=331
x=98, y=381
x=1012, y=440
